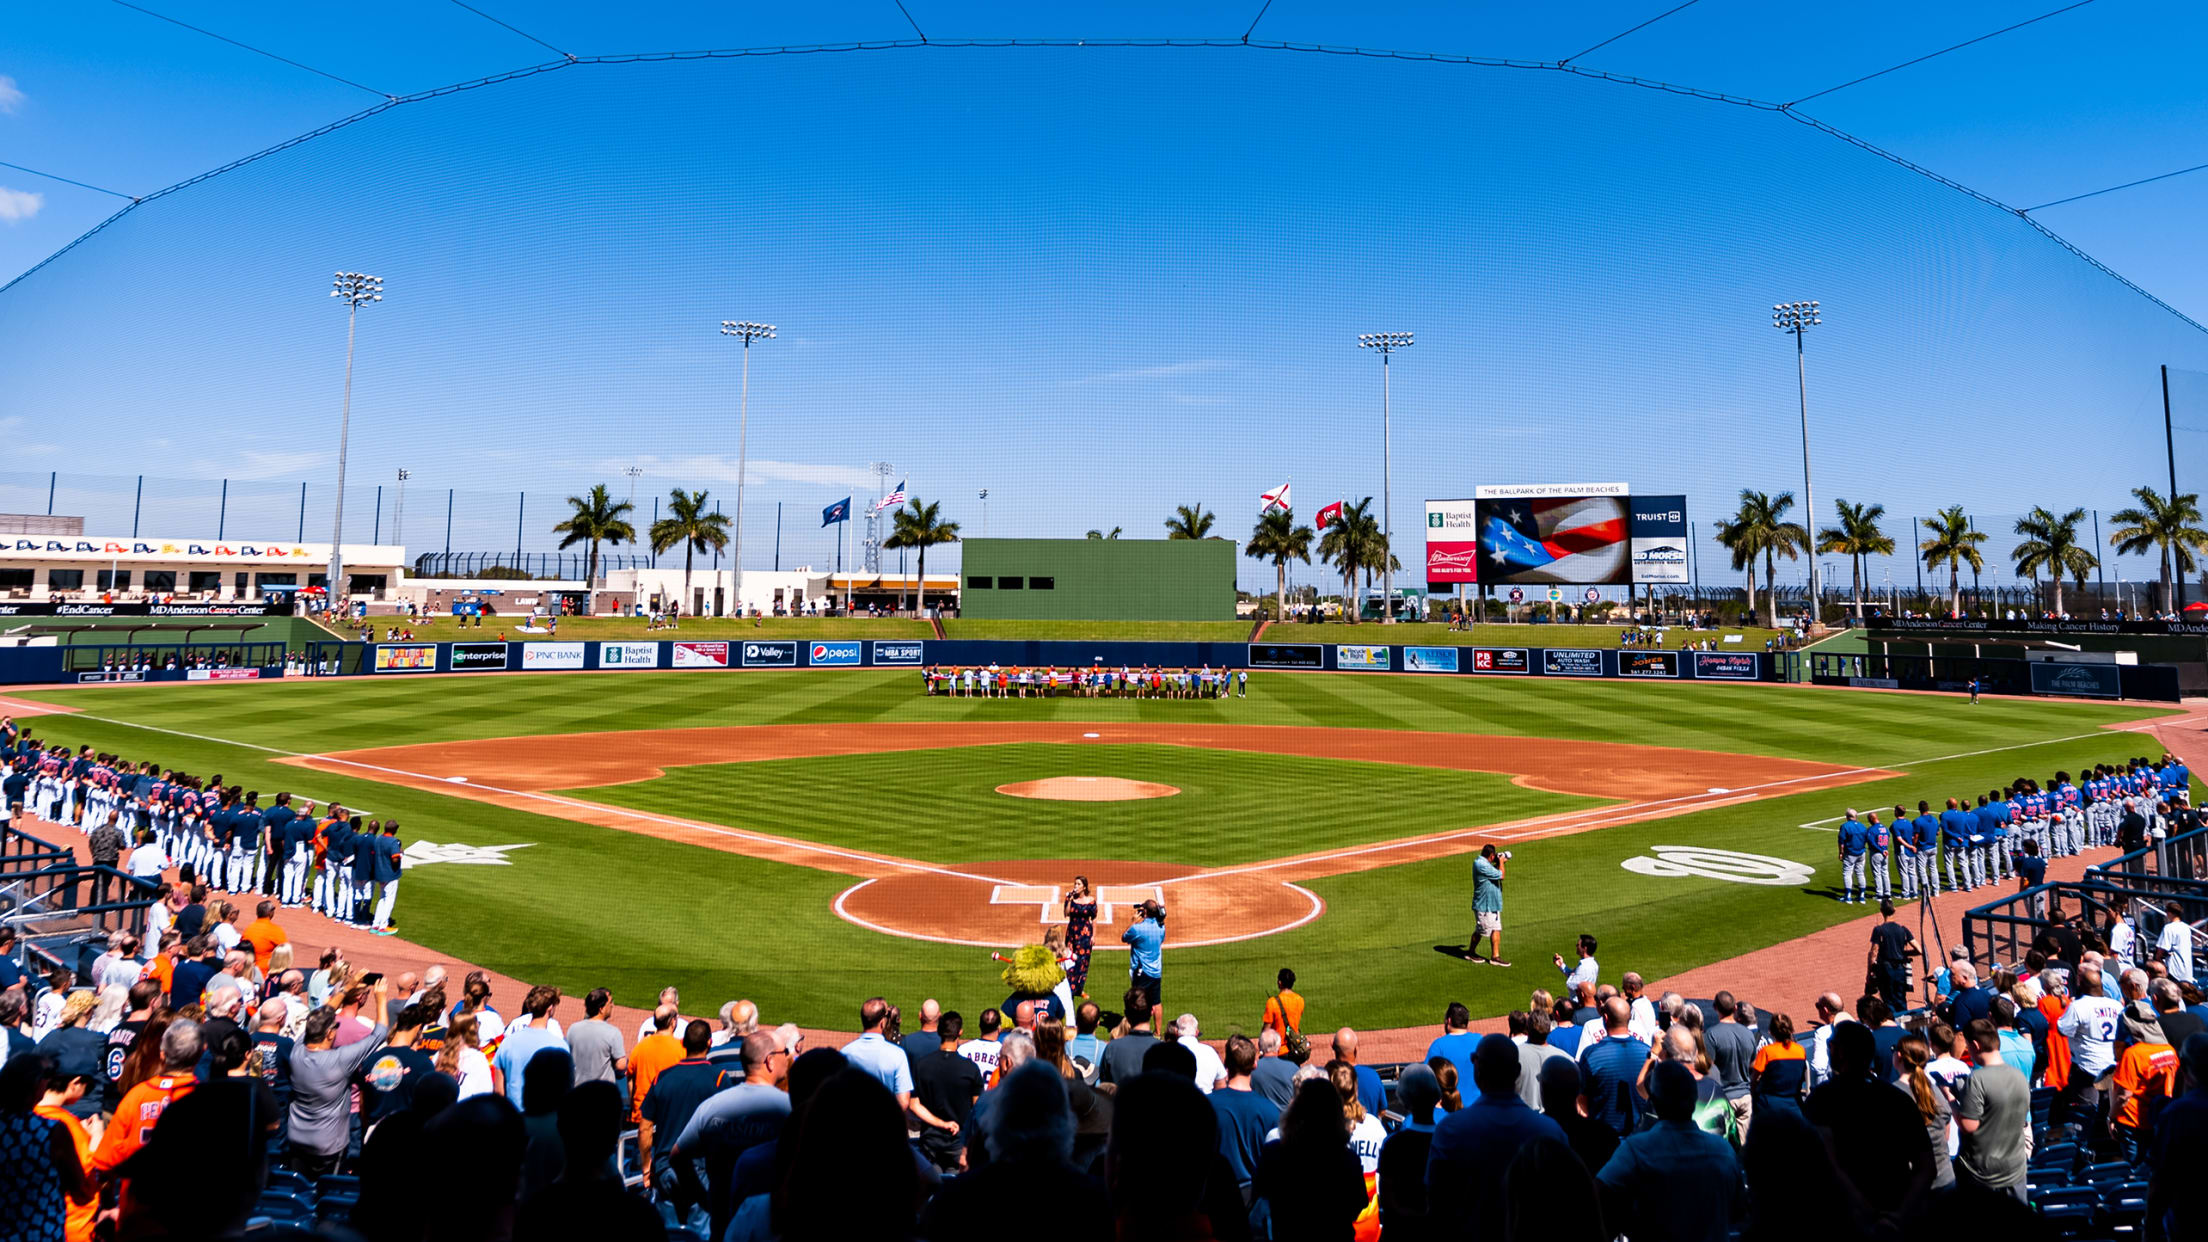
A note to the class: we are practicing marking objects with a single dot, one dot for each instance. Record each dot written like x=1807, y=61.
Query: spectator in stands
x=873, y=1052
x=1672, y=1180
x=1796, y=1191
x=1030, y=1174
x=2177, y=1196
x=1284, y=1008
x=1161, y=1158
x=1456, y=1040
x=74, y=1047
x=1244, y=1117
x=475, y=1002
x=928, y=1038
x=2178, y=1023
x=596, y=1044
x=2145, y=1079
x=1911, y=1055
x=529, y=1035
x=1309, y=1177
x=984, y=1048
x=487, y=1134
x=1532, y=1055
x=1611, y=1068
x=462, y=1057
x=1370, y=1092
x=547, y=1078
x=669, y=1105
x=40, y=1167
x=175, y=1190
x=588, y=1199
x=319, y=1125
x=654, y=1053
x=851, y=1135
x=1779, y=1074
x=1472, y=1146
x=1993, y=1111
x=176, y=1051
x=1123, y=1055
x=2090, y=1024
x=1210, y=1072
x=1402, y=1178
x=945, y=1086
x=1876, y=1132
x=1591, y=1140
x=1830, y=1014
x=263, y=935
x=739, y=1119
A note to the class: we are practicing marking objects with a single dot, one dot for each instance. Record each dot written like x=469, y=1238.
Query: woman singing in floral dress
x=1080, y=932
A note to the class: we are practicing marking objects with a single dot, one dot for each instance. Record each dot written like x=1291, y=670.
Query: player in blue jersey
x=1855, y=841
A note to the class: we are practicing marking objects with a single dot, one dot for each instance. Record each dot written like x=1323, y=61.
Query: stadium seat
x=2109, y=1173
x=286, y=1208
x=288, y=1180
x=338, y=1184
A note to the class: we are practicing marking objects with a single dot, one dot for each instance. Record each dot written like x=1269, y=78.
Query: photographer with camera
x=1487, y=904
x=1145, y=941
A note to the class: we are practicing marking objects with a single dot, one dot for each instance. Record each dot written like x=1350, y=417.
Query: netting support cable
x=82, y=185
x=515, y=29
x=256, y=51
x=1621, y=34
x=908, y=20
x=2112, y=189
x=1268, y=45
x=1268, y=7
x=1942, y=52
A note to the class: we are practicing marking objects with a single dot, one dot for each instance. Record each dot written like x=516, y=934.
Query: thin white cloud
x=11, y=95
x=1196, y=366
x=690, y=471
x=16, y=206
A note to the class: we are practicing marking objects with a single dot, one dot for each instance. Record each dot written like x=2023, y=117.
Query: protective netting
x=986, y=274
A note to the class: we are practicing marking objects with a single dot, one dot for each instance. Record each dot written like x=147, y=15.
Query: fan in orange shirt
x=2145, y=1074
x=83, y=1203
x=142, y=1105
x=1284, y=1009
x=263, y=934
x=653, y=1053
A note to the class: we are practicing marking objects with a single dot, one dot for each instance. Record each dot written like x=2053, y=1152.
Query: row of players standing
x=996, y=682
x=2009, y=833
x=334, y=863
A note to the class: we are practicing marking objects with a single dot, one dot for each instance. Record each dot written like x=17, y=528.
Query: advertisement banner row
x=550, y=657
x=1513, y=661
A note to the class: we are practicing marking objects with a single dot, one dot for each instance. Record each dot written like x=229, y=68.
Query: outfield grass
x=1230, y=809
x=584, y=907
x=1115, y=631
x=1438, y=634
x=449, y=629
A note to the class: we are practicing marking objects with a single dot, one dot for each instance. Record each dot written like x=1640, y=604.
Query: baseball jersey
x=1854, y=837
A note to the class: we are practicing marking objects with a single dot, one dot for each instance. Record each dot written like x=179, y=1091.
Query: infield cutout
x=1088, y=789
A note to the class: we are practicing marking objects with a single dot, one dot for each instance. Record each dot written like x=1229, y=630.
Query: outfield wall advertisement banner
x=2100, y=681
x=701, y=655
x=407, y=659
x=1726, y=666
x=775, y=654
x=478, y=657
x=1571, y=662
x=222, y=674
x=1452, y=543
x=1287, y=655
x=1500, y=660
x=628, y=655
x=1648, y=663
x=906, y=654
x=1659, y=539
x=1430, y=659
x=824, y=654
x=1361, y=657
x=551, y=656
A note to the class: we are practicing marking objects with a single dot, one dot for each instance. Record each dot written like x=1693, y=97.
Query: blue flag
x=837, y=512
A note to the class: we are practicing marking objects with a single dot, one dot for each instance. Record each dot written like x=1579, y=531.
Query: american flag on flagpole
x=895, y=497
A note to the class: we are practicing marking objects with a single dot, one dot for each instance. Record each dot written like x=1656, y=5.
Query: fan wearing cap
x=75, y=1047
x=2145, y=1078
x=1403, y=1156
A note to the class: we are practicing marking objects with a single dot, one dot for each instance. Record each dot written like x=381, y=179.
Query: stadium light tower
x=1798, y=318
x=747, y=332
x=356, y=289
x=1387, y=343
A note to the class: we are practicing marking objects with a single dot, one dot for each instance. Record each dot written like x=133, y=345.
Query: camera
x=1505, y=855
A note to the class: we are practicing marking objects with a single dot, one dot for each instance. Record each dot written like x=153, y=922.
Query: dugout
x=1097, y=579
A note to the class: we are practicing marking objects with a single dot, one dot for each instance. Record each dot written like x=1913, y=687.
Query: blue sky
x=1095, y=282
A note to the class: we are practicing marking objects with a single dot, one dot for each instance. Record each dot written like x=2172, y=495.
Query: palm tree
x=597, y=516
x=1347, y=544
x=1097, y=534
x=2051, y=544
x=1278, y=539
x=690, y=524
x=920, y=526
x=1189, y=522
x=1760, y=528
x=1953, y=544
x=2170, y=527
x=1856, y=537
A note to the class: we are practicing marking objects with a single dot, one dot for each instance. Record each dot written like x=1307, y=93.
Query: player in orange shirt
x=2146, y=1075
x=83, y=1201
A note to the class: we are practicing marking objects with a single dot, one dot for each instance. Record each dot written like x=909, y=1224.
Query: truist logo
x=1672, y=516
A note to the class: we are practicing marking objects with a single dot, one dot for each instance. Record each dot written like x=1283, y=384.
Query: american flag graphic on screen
x=1579, y=539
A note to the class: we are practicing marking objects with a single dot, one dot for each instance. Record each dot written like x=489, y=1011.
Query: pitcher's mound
x=1088, y=789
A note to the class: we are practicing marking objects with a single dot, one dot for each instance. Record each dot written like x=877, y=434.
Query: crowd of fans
x=418, y=1109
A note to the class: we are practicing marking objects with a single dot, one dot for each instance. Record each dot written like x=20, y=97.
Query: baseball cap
x=1418, y=1094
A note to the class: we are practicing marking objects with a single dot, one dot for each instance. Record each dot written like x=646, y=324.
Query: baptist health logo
x=1675, y=861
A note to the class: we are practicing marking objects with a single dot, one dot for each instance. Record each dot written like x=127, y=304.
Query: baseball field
x=808, y=837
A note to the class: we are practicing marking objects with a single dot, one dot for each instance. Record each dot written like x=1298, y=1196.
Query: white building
x=36, y=567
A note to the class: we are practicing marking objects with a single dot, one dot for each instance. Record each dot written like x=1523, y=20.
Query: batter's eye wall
x=1098, y=579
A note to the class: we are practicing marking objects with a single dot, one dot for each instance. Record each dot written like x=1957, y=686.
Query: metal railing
x=2000, y=933
x=63, y=912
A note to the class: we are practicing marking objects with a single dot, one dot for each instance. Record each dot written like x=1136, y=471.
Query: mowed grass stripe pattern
x=1844, y=727
x=942, y=805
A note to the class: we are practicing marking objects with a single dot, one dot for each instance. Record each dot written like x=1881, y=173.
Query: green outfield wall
x=1098, y=579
